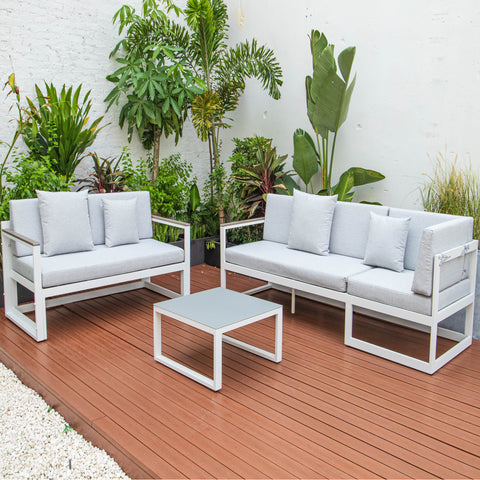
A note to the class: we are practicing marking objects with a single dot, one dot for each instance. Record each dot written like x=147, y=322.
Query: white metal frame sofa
x=98, y=244
x=409, y=267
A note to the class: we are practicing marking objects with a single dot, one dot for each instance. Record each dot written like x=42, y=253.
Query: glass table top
x=217, y=308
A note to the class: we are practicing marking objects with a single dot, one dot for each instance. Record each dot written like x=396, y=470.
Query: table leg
x=278, y=336
x=217, y=361
x=157, y=333
x=215, y=383
x=273, y=357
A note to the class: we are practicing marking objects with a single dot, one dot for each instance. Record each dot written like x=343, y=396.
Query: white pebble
x=33, y=445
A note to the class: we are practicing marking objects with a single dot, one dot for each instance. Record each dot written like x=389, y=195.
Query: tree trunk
x=156, y=153
x=216, y=161
x=211, y=163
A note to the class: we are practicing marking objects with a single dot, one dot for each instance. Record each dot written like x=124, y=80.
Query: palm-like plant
x=223, y=69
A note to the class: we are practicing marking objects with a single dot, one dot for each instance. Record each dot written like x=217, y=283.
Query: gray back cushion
x=25, y=219
x=350, y=227
x=278, y=215
x=144, y=214
x=419, y=220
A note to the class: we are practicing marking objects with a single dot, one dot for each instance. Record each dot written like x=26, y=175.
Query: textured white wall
x=417, y=91
x=417, y=87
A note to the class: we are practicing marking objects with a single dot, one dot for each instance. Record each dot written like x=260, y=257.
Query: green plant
x=215, y=185
x=245, y=153
x=454, y=190
x=25, y=176
x=152, y=82
x=57, y=128
x=195, y=213
x=265, y=176
x=223, y=71
x=328, y=98
x=169, y=192
x=106, y=176
x=211, y=244
x=22, y=122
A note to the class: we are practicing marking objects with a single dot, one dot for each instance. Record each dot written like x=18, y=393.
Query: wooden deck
x=326, y=411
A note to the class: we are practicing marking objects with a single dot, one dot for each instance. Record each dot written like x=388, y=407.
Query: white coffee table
x=216, y=311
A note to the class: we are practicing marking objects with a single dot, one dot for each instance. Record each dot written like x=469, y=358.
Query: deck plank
x=326, y=411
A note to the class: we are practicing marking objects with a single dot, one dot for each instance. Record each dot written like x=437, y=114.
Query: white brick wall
x=69, y=42
x=417, y=89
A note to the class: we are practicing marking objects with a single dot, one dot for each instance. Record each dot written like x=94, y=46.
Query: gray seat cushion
x=395, y=289
x=100, y=262
x=330, y=271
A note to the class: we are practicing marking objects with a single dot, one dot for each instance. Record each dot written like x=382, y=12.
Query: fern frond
x=252, y=61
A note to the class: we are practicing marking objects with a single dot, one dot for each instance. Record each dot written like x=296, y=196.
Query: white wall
x=417, y=89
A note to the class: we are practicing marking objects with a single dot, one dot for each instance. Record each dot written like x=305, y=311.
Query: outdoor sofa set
x=411, y=267
x=406, y=266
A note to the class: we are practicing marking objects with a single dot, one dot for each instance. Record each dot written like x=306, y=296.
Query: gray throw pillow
x=65, y=222
x=387, y=238
x=311, y=222
x=120, y=218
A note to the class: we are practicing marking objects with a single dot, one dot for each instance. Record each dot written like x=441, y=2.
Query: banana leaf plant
x=328, y=98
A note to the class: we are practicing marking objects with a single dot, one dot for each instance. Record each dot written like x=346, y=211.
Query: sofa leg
x=468, y=331
x=433, y=344
x=293, y=301
x=348, y=323
x=10, y=293
x=36, y=328
x=41, y=317
x=223, y=278
x=185, y=282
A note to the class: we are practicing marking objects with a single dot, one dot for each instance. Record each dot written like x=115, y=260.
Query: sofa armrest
x=9, y=236
x=242, y=223
x=169, y=221
x=439, y=239
x=464, y=260
x=453, y=253
x=17, y=237
x=186, y=233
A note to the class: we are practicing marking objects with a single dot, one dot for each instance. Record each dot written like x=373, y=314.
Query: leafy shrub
x=247, y=156
x=57, y=127
x=106, y=176
x=25, y=176
x=169, y=193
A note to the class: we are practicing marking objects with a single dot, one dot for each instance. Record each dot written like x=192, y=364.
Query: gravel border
x=37, y=443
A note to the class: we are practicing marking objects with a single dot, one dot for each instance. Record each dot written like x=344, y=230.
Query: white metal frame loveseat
x=74, y=246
